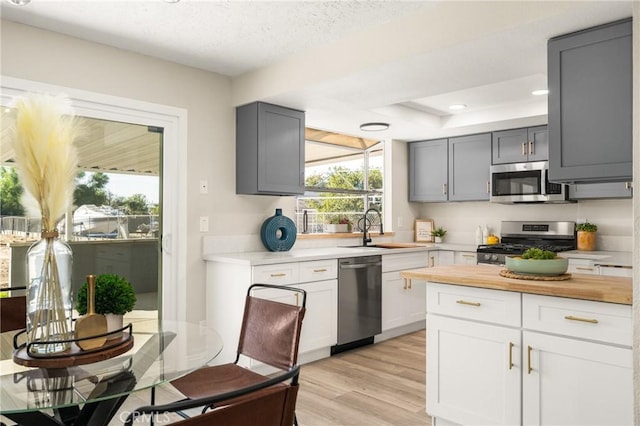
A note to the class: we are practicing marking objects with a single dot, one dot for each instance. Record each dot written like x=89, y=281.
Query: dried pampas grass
x=46, y=158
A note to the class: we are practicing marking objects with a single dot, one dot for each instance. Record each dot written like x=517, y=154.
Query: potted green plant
x=438, y=234
x=339, y=223
x=586, y=236
x=114, y=297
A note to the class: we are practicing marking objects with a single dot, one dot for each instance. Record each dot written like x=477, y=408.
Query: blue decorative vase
x=278, y=233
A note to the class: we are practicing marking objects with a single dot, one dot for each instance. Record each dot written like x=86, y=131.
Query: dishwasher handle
x=360, y=265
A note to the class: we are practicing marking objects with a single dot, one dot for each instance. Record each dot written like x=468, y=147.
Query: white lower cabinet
x=505, y=358
x=319, y=326
x=473, y=372
x=574, y=382
x=403, y=301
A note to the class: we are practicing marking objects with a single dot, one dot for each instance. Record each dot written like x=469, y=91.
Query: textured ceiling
x=350, y=62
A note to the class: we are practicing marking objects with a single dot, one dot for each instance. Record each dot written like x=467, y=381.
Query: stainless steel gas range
x=517, y=236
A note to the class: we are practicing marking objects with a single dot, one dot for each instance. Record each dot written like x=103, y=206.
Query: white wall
x=48, y=57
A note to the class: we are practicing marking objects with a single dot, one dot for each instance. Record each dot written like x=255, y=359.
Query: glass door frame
x=174, y=175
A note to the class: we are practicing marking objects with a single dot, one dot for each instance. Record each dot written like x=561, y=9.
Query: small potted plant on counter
x=114, y=297
x=586, y=236
x=339, y=224
x=438, y=234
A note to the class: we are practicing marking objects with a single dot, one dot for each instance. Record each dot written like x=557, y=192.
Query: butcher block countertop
x=598, y=288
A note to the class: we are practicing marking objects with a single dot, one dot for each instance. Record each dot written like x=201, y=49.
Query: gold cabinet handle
x=320, y=270
x=282, y=274
x=464, y=302
x=469, y=255
x=444, y=189
x=511, y=345
x=589, y=320
x=409, y=284
x=524, y=148
x=529, y=369
x=406, y=281
x=532, y=147
x=488, y=187
x=432, y=262
x=583, y=268
x=627, y=185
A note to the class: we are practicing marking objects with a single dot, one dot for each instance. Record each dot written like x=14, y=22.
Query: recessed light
x=20, y=2
x=457, y=107
x=540, y=92
x=374, y=127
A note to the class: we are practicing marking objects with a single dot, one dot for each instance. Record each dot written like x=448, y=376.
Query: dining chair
x=13, y=311
x=270, y=334
x=270, y=402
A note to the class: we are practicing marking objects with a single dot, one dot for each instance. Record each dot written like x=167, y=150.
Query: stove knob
x=487, y=256
x=494, y=257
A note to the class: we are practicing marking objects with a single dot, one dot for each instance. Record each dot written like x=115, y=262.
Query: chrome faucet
x=366, y=225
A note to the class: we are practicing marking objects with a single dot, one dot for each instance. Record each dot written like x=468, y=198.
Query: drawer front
x=281, y=274
x=465, y=258
x=605, y=322
x=318, y=270
x=402, y=261
x=582, y=266
x=495, y=306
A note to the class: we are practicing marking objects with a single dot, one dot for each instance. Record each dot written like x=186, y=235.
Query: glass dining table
x=91, y=394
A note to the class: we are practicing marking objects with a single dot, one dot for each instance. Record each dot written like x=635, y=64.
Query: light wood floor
x=381, y=384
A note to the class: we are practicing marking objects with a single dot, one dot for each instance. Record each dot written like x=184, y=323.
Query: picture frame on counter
x=423, y=228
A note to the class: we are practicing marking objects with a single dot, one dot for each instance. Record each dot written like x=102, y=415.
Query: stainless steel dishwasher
x=359, y=301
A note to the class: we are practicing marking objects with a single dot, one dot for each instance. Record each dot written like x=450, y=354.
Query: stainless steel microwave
x=525, y=183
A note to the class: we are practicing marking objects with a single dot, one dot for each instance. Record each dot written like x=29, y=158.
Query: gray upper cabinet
x=586, y=191
x=590, y=107
x=428, y=170
x=455, y=169
x=469, y=159
x=269, y=150
x=520, y=145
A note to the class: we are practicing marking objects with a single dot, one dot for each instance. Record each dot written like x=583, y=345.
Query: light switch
x=204, y=187
x=204, y=223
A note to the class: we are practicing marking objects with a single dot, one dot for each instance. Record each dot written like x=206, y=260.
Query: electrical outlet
x=204, y=187
x=204, y=223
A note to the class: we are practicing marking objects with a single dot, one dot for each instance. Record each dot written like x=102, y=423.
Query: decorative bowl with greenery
x=535, y=261
x=113, y=295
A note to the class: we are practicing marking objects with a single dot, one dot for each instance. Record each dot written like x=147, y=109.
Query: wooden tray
x=75, y=355
x=508, y=274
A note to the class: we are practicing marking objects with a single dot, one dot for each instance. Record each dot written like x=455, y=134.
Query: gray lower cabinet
x=428, y=170
x=454, y=169
x=585, y=191
x=520, y=145
x=269, y=150
x=590, y=105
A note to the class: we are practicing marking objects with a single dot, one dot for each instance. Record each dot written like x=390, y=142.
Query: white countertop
x=602, y=258
x=301, y=255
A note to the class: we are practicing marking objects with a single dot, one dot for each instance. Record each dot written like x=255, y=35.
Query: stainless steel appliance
x=359, y=301
x=525, y=183
x=518, y=236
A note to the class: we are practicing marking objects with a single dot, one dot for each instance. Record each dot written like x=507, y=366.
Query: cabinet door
x=469, y=162
x=428, y=170
x=509, y=146
x=538, y=143
x=473, y=372
x=584, y=191
x=403, y=301
x=319, y=326
x=590, y=111
x=574, y=382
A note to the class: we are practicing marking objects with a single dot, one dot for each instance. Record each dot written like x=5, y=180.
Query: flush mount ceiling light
x=19, y=2
x=540, y=92
x=374, y=127
x=457, y=107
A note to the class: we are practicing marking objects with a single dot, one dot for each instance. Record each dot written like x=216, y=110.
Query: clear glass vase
x=49, y=263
